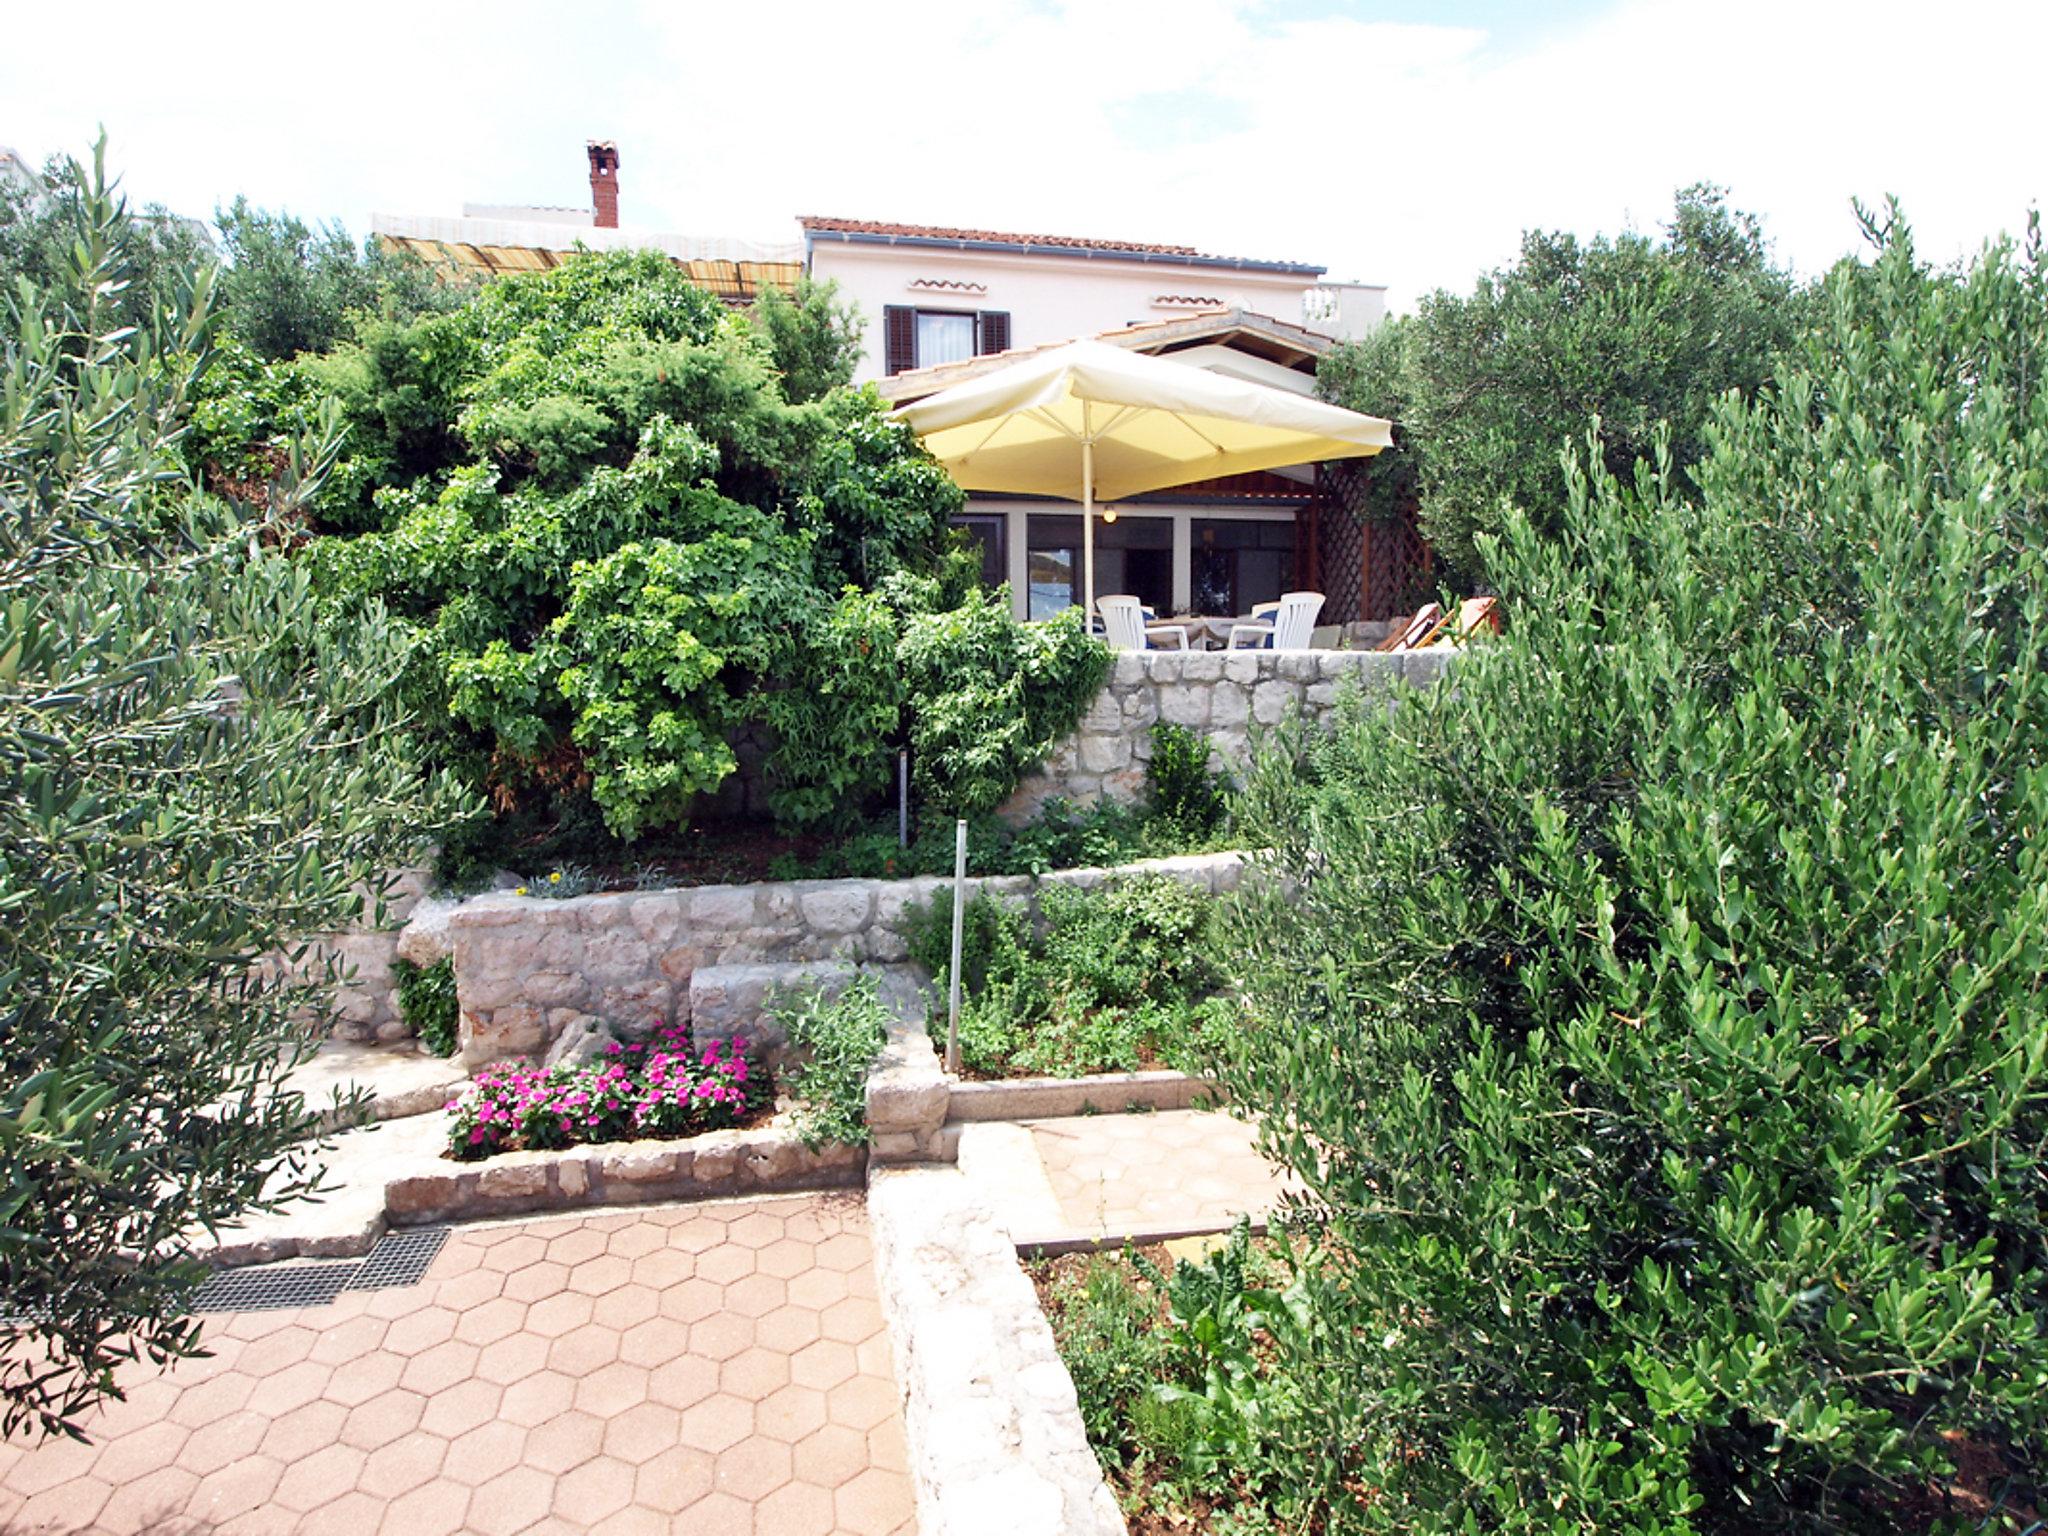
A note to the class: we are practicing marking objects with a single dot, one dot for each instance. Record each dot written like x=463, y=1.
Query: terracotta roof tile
x=944, y=232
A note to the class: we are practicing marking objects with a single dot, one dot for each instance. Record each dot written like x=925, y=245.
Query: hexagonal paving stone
x=564, y=1442
x=718, y=1423
x=600, y=1487
x=675, y=1479
x=642, y=1432
x=484, y=1453
x=710, y=1368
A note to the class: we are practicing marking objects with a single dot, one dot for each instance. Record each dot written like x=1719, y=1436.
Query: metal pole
x=959, y=920
x=1088, y=532
x=902, y=799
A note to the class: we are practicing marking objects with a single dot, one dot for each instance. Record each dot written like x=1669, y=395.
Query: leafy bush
x=993, y=696
x=1114, y=978
x=840, y=1037
x=194, y=771
x=40, y=226
x=1105, y=1321
x=657, y=1088
x=1181, y=789
x=813, y=336
x=1224, y=1317
x=623, y=545
x=1061, y=836
x=288, y=288
x=1656, y=1017
x=1175, y=1370
x=426, y=1001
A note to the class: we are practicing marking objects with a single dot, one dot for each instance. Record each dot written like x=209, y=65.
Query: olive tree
x=1655, y=1009
x=1622, y=337
x=192, y=772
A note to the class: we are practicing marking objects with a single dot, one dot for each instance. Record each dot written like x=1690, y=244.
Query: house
x=17, y=172
x=937, y=295
x=946, y=304
x=1216, y=547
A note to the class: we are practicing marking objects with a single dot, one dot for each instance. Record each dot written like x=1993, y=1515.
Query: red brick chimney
x=604, y=183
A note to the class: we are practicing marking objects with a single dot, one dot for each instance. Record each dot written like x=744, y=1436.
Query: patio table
x=1207, y=633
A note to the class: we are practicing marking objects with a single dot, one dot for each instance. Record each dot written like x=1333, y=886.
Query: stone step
x=400, y=1080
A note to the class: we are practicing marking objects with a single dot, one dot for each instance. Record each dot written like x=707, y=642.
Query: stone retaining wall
x=365, y=1004
x=1221, y=694
x=766, y=1159
x=528, y=970
x=992, y=1423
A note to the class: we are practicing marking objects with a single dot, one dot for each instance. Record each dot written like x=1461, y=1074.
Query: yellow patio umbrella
x=1089, y=420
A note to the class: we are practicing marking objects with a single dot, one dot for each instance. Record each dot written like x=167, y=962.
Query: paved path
x=1087, y=1180
x=706, y=1368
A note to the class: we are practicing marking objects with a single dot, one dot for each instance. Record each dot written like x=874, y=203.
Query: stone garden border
x=990, y=1416
x=1107, y=1093
x=762, y=1160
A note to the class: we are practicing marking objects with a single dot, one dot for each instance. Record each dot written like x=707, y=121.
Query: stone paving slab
x=1144, y=1177
x=399, y=1079
x=707, y=1368
x=349, y=1217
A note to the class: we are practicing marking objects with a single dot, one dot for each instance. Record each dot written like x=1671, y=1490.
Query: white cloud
x=1409, y=153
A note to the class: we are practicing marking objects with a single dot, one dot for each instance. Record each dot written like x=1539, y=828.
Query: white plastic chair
x=1289, y=629
x=1123, y=625
x=1253, y=634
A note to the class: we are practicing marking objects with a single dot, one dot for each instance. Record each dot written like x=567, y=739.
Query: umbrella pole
x=1088, y=532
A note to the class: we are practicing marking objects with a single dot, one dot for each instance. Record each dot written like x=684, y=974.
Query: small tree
x=192, y=771
x=813, y=335
x=1656, y=1009
x=38, y=223
x=1622, y=337
x=290, y=288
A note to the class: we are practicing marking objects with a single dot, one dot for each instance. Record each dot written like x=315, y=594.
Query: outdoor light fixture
x=1109, y=514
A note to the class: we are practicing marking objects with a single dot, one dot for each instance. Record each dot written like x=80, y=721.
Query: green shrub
x=1181, y=790
x=1061, y=836
x=1174, y=1371
x=426, y=1001
x=1106, y=979
x=840, y=1037
x=1624, y=338
x=1656, y=1015
x=1106, y=1323
x=993, y=696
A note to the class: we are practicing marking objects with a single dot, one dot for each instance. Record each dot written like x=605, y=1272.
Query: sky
x=1405, y=144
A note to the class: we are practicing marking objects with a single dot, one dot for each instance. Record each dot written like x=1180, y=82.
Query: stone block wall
x=528, y=970
x=366, y=998
x=1220, y=694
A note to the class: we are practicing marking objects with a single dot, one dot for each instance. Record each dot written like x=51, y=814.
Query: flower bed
x=656, y=1089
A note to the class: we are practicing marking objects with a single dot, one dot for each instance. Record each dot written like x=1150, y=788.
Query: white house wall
x=1049, y=297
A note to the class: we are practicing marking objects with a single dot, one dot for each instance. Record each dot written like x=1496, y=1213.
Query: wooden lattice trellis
x=1366, y=567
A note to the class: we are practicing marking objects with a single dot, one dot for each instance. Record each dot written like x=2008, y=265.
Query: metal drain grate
x=272, y=1287
x=400, y=1258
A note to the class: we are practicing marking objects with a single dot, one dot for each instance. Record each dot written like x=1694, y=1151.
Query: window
x=1053, y=573
x=921, y=338
x=943, y=338
x=1132, y=554
x=1238, y=563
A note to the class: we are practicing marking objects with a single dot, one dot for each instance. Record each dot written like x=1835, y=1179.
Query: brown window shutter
x=992, y=334
x=899, y=338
